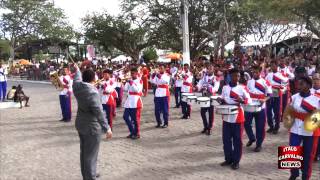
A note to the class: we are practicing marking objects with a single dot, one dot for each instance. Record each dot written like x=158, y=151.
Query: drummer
x=233, y=94
x=274, y=104
x=186, y=88
x=316, y=91
x=303, y=104
x=259, y=90
x=209, y=86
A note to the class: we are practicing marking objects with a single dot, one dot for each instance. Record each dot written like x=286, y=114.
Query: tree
x=117, y=32
x=218, y=21
x=150, y=54
x=4, y=49
x=25, y=20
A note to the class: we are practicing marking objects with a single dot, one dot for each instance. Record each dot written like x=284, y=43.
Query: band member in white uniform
x=209, y=86
x=162, y=97
x=304, y=103
x=233, y=94
x=186, y=88
x=133, y=104
x=259, y=90
x=65, y=95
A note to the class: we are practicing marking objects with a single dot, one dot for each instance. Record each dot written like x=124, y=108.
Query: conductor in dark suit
x=90, y=121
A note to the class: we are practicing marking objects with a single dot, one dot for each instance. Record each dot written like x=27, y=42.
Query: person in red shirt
x=145, y=78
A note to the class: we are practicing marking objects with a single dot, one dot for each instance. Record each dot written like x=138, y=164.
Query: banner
x=91, y=52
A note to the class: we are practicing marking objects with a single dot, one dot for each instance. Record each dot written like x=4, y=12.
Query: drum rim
x=192, y=97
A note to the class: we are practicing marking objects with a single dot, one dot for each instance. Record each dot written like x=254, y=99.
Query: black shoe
x=208, y=132
x=270, y=130
x=97, y=175
x=67, y=120
x=177, y=107
x=292, y=177
x=250, y=142
x=275, y=131
x=183, y=117
x=235, y=166
x=62, y=120
x=203, y=131
x=134, y=137
x=158, y=126
x=129, y=136
x=225, y=163
x=164, y=126
x=257, y=149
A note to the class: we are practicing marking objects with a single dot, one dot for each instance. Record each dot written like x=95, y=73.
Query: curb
x=29, y=81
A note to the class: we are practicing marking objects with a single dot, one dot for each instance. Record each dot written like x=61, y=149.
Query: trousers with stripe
x=132, y=118
x=177, y=96
x=285, y=100
x=260, y=122
x=108, y=109
x=207, y=122
x=232, y=141
x=65, y=104
x=161, y=107
x=310, y=144
x=3, y=90
x=186, y=109
x=273, y=112
x=120, y=95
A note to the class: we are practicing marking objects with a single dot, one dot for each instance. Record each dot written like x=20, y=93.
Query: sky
x=76, y=9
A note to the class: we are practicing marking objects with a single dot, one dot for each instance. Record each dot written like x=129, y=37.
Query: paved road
x=35, y=146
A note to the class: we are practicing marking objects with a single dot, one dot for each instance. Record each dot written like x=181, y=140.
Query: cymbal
x=312, y=122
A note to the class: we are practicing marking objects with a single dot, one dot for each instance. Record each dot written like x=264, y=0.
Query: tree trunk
x=12, y=49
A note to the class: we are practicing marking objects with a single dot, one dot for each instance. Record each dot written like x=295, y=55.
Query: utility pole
x=185, y=31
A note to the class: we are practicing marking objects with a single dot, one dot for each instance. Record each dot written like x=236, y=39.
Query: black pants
x=207, y=122
x=89, y=149
x=177, y=96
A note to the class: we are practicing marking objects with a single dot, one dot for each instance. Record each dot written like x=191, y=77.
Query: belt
x=135, y=93
x=163, y=86
x=299, y=115
x=187, y=84
x=277, y=87
x=257, y=96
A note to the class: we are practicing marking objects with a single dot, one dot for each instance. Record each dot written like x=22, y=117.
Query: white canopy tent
x=121, y=59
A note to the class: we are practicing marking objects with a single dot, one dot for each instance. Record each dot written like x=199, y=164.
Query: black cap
x=300, y=70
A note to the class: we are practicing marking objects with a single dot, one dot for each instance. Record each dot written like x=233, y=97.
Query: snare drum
x=214, y=101
x=226, y=109
x=255, y=106
x=192, y=99
x=184, y=96
x=203, y=102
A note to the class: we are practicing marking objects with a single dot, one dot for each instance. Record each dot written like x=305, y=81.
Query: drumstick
x=71, y=58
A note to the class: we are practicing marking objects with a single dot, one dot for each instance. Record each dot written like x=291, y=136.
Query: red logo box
x=290, y=157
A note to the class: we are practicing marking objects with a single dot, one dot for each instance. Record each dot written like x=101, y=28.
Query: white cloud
x=76, y=9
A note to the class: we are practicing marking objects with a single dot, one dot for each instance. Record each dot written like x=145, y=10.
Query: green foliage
x=4, y=49
x=25, y=20
x=117, y=32
x=150, y=54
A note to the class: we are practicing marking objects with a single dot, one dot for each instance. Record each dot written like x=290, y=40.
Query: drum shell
x=213, y=101
x=226, y=109
x=184, y=96
x=254, y=107
x=204, y=103
x=192, y=99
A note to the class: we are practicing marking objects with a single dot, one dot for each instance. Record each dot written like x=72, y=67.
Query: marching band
x=239, y=97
